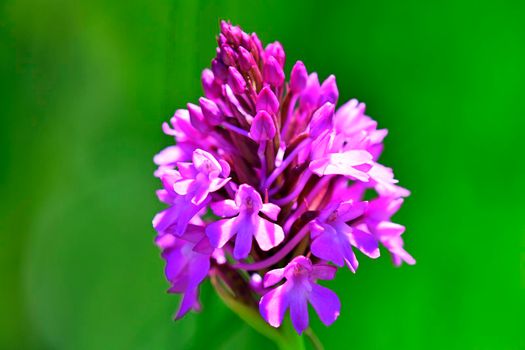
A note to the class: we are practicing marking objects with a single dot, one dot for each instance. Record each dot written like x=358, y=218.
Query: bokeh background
x=85, y=86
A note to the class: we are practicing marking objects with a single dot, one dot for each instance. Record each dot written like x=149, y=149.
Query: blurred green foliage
x=87, y=84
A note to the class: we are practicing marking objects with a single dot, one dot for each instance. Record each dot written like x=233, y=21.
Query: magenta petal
x=343, y=164
x=273, y=305
x=176, y=266
x=299, y=312
x=198, y=269
x=263, y=127
x=187, y=170
x=316, y=229
x=164, y=196
x=163, y=219
x=273, y=277
x=225, y=208
x=220, y=232
x=298, y=77
x=235, y=104
x=276, y=50
x=182, y=187
x=246, y=60
x=209, y=85
x=164, y=241
x=189, y=301
x=325, y=303
x=273, y=72
x=323, y=272
x=327, y=246
x=225, y=168
x=322, y=120
x=365, y=242
x=387, y=229
x=196, y=118
x=271, y=210
x=267, y=101
x=211, y=111
x=399, y=254
x=193, y=234
x=310, y=94
x=329, y=91
x=350, y=259
x=204, y=246
x=268, y=234
x=218, y=183
x=383, y=208
x=350, y=210
x=236, y=81
x=200, y=194
x=169, y=155
x=243, y=242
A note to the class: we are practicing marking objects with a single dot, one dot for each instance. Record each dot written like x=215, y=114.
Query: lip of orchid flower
x=275, y=162
x=378, y=222
x=333, y=238
x=299, y=290
x=201, y=177
x=181, y=212
x=185, y=268
x=245, y=222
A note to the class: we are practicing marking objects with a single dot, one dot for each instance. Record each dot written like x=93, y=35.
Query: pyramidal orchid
x=265, y=189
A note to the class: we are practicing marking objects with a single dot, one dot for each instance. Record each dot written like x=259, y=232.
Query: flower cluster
x=265, y=186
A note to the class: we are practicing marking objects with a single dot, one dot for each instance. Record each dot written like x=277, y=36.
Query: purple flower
x=299, y=289
x=279, y=162
x=378, y=221
x=384, y=182
x=353, y=164
x=245, y=222
x=333, y=238
x=201, y=177
x=175, y=218
x=187, y=265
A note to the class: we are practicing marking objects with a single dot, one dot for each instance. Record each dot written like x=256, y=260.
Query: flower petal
x=349, y=256
x=218, y=183
x=221, y=231
x=243, y=241
x=399, y=254
x=267, y=101
x=165, y=218
x=271, y=210
x=343, y=164
x=325, y=303
x=323, y=271
x=273, y=305
x=225, y=208
x=268, y=234
x=327, y=246
x=189, y=301
x=273, y=277
x=299, y=312
x=182, y=187
x=365, y=242
x=387, y=229
x=350, y=210
x=169, y=156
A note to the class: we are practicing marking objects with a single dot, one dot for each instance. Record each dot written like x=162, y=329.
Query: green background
x=85, y=86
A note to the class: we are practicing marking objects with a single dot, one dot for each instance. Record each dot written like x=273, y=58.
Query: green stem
x=314, y=340
x=284, y=337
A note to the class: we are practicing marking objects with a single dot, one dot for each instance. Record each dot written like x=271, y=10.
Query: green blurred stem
x=314, y=340
x=284, y=337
